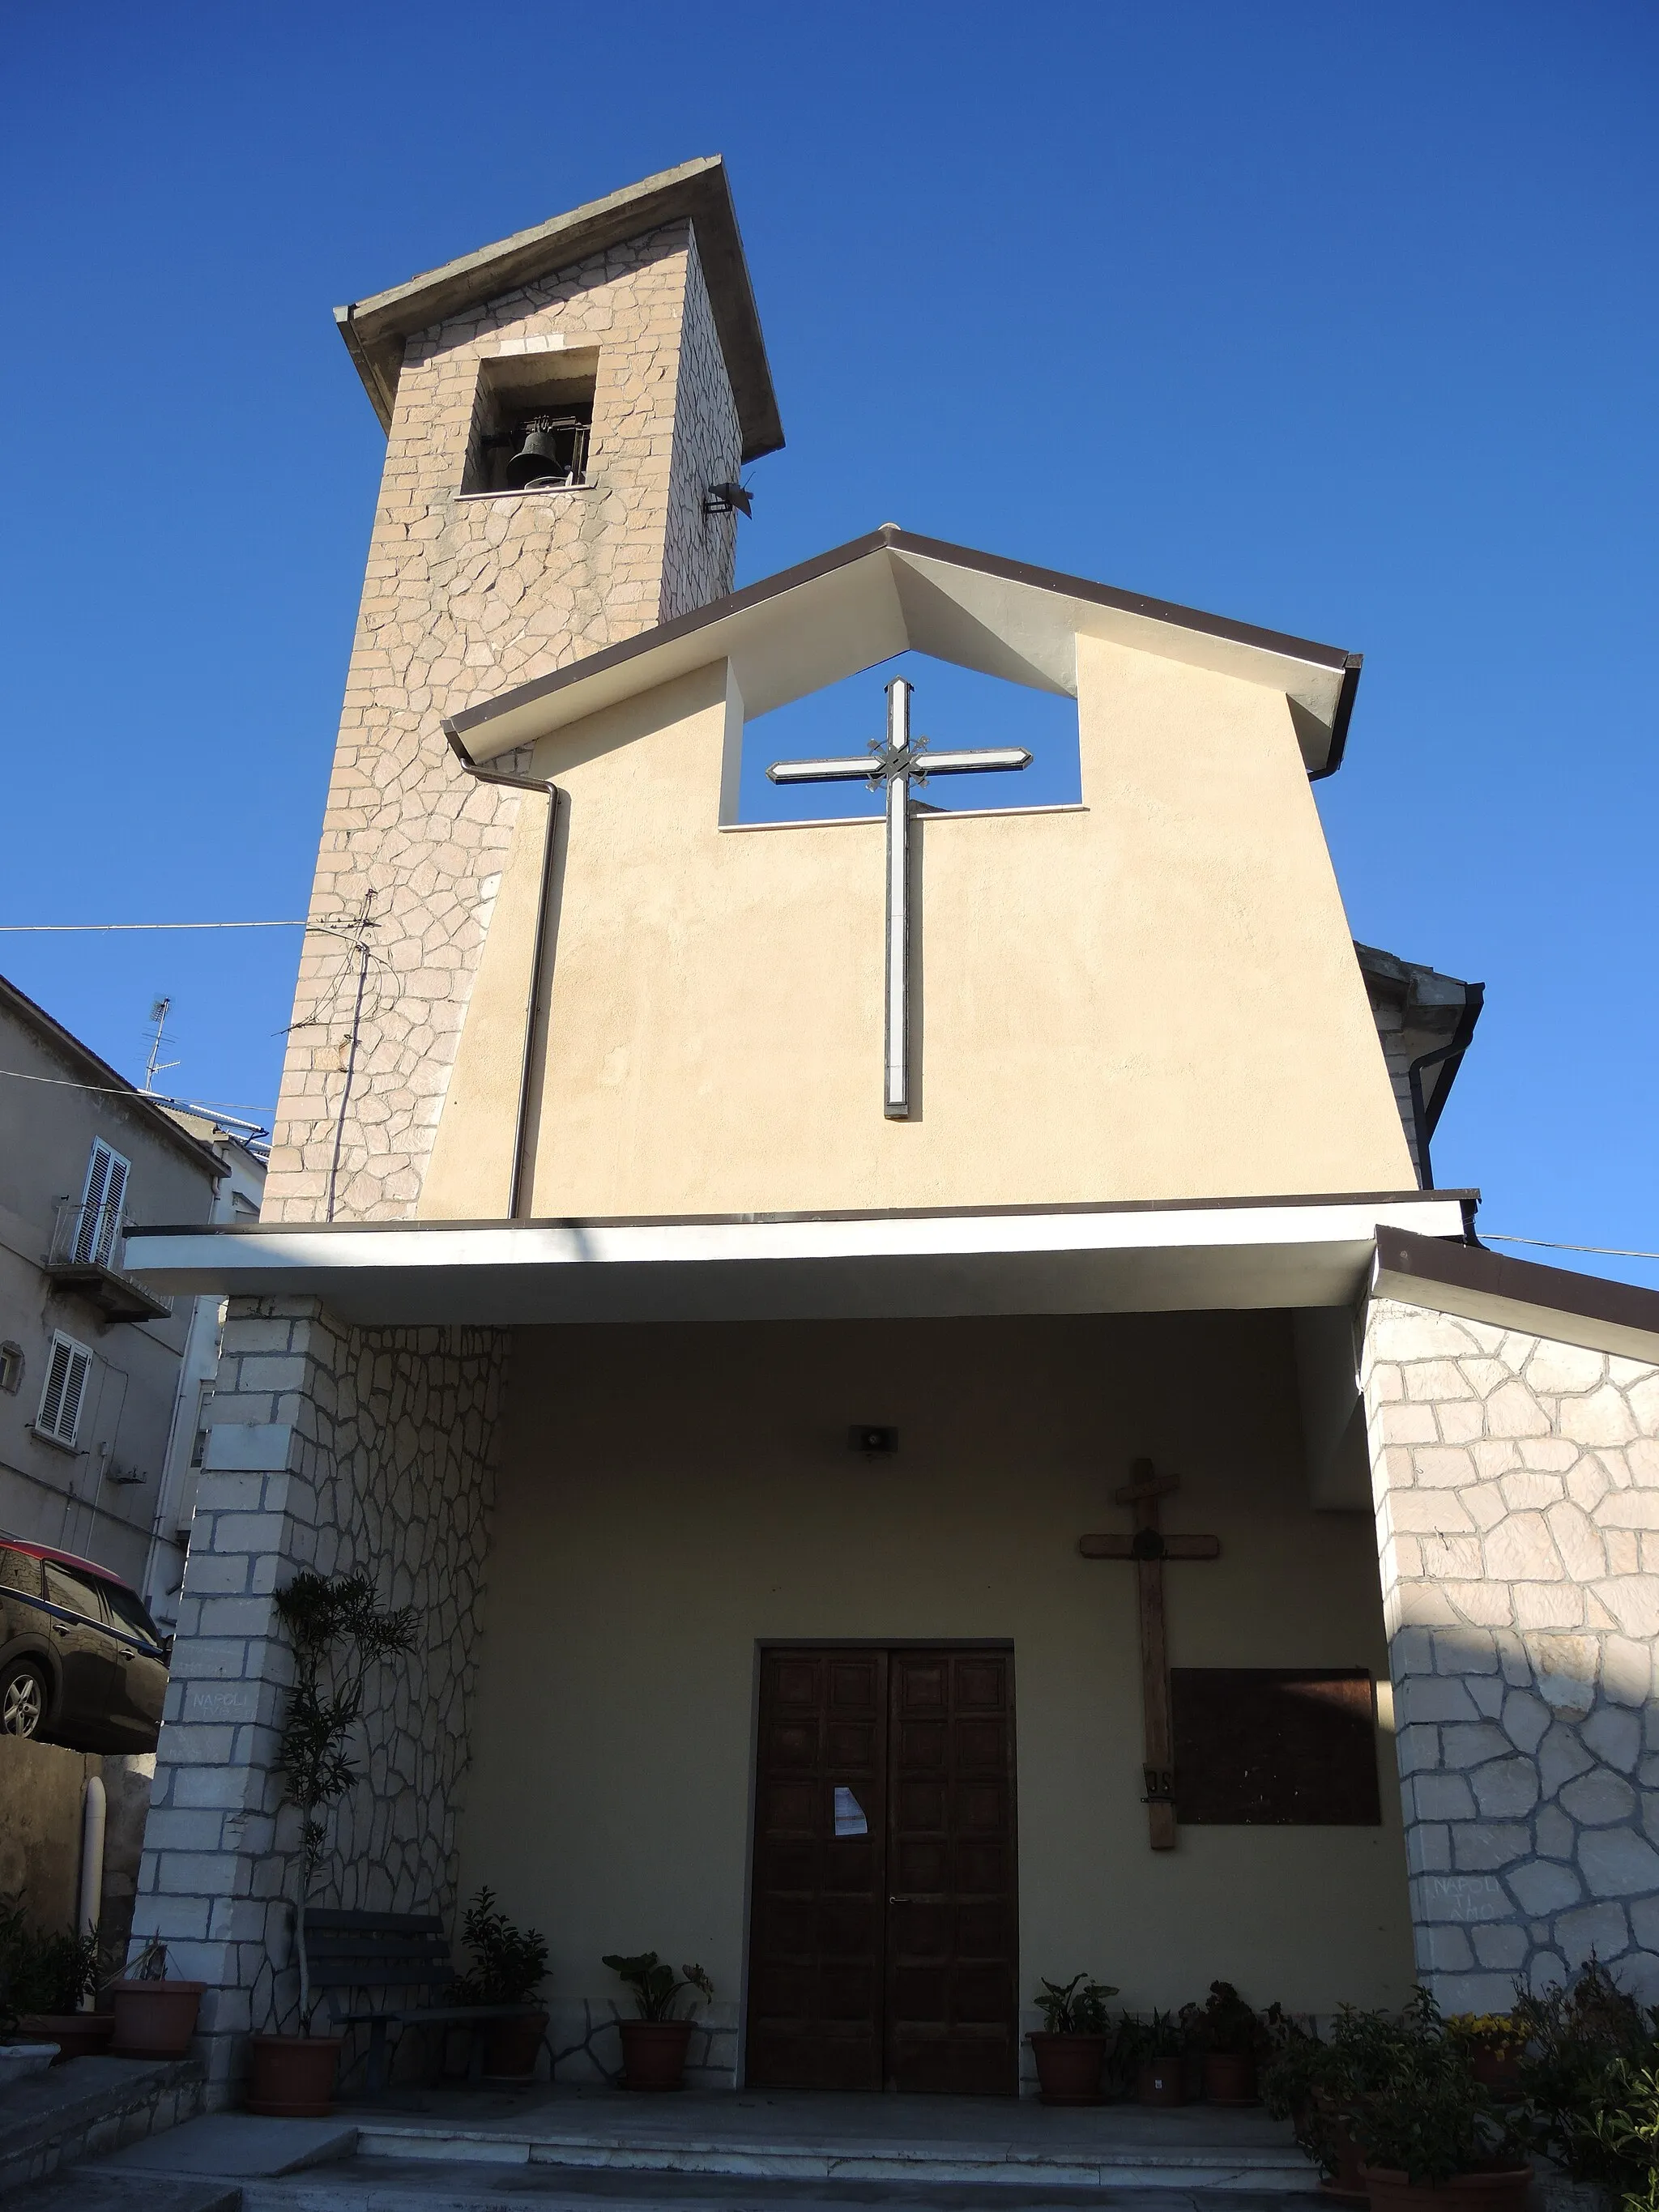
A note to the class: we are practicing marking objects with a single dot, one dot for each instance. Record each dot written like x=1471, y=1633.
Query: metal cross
x=894, y=766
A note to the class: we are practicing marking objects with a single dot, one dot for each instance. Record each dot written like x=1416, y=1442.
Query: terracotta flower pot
x=1069, y=2067
x=1345, y=2185
x=77, y=2034
x=1229, y=2078
x=511, y=2047
x=154, y=2020
x=292, y=2076
x=1498, y=2071
x=654, y=2053
x=1162, y=2082
x=1503, y=2190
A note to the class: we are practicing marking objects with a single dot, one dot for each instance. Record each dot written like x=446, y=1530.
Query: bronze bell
x=538, y=461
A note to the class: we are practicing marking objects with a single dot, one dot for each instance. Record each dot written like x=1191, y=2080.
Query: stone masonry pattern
x=1517, y=1485
x=387, y=1440
x=467, y=595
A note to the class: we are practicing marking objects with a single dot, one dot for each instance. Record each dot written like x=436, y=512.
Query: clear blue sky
x=1336, y=318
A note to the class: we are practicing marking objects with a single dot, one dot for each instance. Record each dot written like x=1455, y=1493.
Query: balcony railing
x=88, y=1256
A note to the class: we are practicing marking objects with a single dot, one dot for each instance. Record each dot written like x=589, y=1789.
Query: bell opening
x=533, y=423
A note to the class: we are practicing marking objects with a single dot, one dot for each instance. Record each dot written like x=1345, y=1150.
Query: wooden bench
x=402, y=1951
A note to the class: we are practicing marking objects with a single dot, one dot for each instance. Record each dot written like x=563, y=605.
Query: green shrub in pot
x=1589, y=2080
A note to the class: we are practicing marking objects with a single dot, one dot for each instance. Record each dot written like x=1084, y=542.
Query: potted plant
x=1152, y=2058
x=19, y=2058
x=1495, y=2043
x=1071, y=2045
x=1297, y=2084
x=45, y=1977
x=1228, y=2035
x=654, y=2043
x=154, y=2014
x=1431, y=2139
x=340, y=1634
x=1589, y=2075
x=509, y=1965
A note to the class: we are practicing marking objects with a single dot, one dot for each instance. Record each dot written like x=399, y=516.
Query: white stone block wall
x=335, y=1449
x=1516, y=1486
x=466, y=595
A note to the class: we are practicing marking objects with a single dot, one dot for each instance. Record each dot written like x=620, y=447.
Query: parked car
x=81, y=1663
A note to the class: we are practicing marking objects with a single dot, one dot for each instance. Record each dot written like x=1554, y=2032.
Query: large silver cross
x=894, y=766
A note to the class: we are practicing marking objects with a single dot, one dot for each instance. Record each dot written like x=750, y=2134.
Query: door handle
x=912, y=1897
x=60, y=1628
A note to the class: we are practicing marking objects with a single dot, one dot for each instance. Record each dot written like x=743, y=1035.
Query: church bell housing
x=935, y=1425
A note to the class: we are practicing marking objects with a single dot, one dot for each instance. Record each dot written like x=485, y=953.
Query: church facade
x=912, y=1366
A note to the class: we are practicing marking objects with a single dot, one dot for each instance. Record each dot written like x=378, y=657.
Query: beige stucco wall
x=645, y=1539
x=1152, y=997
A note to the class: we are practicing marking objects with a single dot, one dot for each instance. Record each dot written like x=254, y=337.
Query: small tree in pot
x=509, y=1964
x=654, y=2043
x=340, y=1634
x=1071, y=2045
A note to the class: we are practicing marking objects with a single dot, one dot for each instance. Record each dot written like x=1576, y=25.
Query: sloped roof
x=892, y=592
x=375, y=329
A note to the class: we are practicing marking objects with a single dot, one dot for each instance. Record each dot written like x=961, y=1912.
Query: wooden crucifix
x=1148, y=1547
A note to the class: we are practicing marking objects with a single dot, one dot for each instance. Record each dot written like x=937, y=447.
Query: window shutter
x=75, y=1389
x=67, y=1371
x=101, y=1201
x=51, y=1398
x=108, y=1251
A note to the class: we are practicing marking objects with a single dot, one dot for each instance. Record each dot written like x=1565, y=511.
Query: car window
x=76, y=1593
x=129, y=1614
x=21, y=1571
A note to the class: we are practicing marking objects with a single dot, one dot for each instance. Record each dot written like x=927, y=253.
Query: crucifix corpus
x=1148, y=1547
x=894, y=766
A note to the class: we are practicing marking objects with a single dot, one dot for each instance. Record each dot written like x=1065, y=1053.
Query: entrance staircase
x=745, y=2151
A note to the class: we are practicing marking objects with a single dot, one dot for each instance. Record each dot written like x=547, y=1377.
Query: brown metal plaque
x=1274, y=1747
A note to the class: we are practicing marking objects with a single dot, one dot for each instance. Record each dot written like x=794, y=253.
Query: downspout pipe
x=94, y=1813
x=519, y=1194
x=1425, y=1119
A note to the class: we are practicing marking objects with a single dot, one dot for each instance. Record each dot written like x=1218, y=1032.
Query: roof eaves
x=375, y=329
x=891, y=538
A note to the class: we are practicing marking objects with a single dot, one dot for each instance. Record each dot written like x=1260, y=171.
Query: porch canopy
x=1136, y=1257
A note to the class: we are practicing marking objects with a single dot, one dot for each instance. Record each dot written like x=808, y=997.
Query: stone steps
x=994, y=2164
x=86, y=2107
x=382, y=2185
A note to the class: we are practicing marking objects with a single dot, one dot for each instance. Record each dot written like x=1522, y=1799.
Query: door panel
x=885, y=1956
x=815, y=1929
x=952, y=2009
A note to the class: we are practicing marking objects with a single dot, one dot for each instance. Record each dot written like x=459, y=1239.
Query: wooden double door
x=884, y=1906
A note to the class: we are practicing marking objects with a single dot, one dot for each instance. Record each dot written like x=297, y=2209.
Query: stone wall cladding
x=465, y=596
x=390, y=1468
x=1517, y=1485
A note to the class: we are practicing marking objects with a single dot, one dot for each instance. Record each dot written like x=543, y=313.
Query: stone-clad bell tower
x=557, y=408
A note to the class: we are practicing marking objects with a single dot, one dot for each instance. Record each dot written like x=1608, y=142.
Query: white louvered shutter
x=67, y=1371
x=101, y=1205
x=108, y=1251
x=51, y=1398
x=75, y=1389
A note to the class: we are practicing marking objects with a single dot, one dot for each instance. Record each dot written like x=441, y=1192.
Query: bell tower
x=558, y=408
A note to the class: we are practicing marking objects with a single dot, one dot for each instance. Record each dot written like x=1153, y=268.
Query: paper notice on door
x=850, y=1815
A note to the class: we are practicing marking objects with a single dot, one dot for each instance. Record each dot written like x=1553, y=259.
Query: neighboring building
x=752, y=1289
x=239, y=1191
x=89, y=1359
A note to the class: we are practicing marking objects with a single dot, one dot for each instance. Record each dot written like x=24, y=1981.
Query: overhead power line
x=1550, y=1244
x=127, y=1090
x=63, y=928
